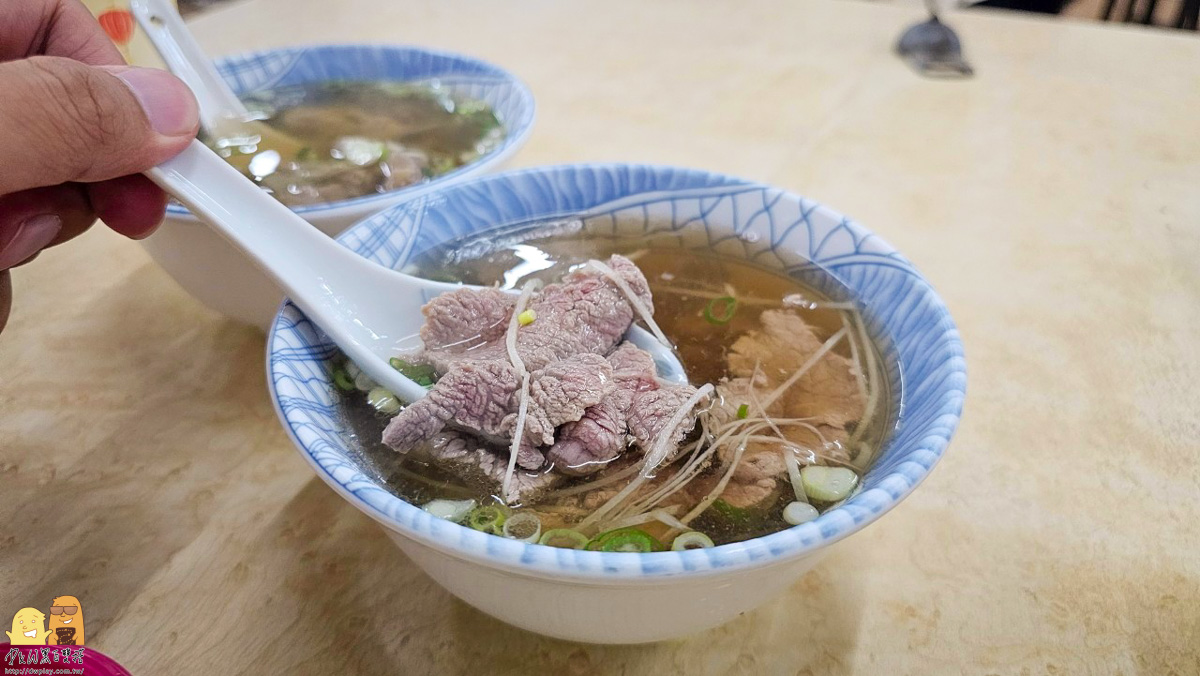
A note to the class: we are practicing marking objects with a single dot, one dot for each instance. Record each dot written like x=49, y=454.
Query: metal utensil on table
x=933, y=49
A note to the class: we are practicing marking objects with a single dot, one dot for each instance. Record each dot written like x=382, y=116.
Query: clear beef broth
x=360, y=138
x=683, y=283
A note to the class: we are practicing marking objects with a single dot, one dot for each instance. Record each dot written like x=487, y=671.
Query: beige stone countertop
x=1054, y=201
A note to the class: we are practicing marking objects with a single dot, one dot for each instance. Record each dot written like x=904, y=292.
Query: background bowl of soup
x=309, y=90
x=617, y=597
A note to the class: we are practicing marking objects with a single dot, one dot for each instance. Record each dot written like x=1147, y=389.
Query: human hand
x=77, y=128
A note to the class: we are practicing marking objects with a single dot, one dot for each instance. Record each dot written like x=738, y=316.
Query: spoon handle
x=185, y=58
x=301, y=259
x=348, y=297
x=278, y=240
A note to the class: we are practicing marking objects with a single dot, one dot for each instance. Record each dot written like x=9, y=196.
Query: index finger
x=54, y=28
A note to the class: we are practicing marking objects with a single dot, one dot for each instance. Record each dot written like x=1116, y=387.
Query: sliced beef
x=587, y=401
x=586, y=313
x=600, y=435
x=758, y=478
x=476, y=461
x=563, y=390
x=480, y=396
x=638, y=405
x=577, y=323
x=760, y=465
x=651, y=410
x=596, y=439
x=463, y=320
x=748, y=493
x=828, y=394
x=314, y=181
x=827, y=397
x=401, y=166
x=633, y=369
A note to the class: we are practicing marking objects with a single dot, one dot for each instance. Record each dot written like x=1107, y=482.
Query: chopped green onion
x=798, y=512
x=827, y=484
x=526, y=318
x=793, y=472
x=421, y=374
x=731, y=514
x=633, y=540
x=359, y=150
x=743, y=411
x=352, y=369
x=383, y=401
x=489, y=519
x=523, y=526
x=472, y=107
x=304, y=153
x=343, y=380
x=566, y=538
x=441, y=164
x=363, y=382
x=596, y=542
x=691, y=540
x=450, y=510
x=720, y=310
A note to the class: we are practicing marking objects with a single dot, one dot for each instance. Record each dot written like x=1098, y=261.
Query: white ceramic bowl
x=632, y=598
x=218, y=275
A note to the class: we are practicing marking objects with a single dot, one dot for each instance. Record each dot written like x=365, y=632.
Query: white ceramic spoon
x=371, y=312
x=183, y=56
x=222, y=115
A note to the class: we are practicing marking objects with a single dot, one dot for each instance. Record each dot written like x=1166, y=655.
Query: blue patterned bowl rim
x=901, y=309
x=509, y=96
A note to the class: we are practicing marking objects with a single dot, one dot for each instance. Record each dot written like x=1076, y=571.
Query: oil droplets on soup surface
x=799, y=409
x=337, y=140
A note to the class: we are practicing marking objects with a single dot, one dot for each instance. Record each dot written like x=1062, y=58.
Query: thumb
x=62, y=120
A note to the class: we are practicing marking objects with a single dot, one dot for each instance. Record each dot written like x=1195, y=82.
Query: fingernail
x=168, y=103
x=30, y=237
